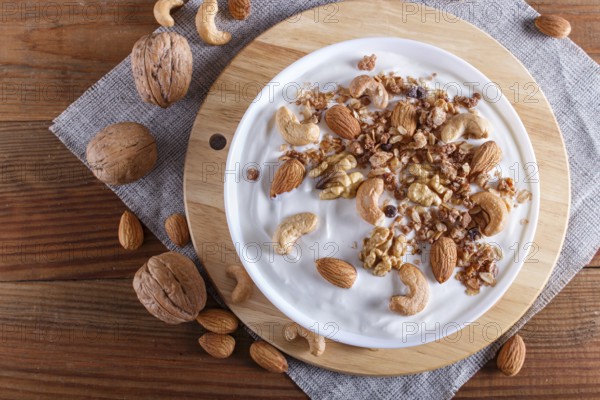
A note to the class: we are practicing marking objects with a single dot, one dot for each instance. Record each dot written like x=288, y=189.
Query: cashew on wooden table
x=244, y=286
x=162, y=11
x=316, y=343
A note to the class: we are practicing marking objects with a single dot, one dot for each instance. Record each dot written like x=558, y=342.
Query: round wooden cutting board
x=277, y=48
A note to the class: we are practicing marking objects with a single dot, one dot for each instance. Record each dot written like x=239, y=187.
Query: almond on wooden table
x=217, y=320
x=268, y=357
x=337, y=272
x=177, y=229
x=512, y=356
x=217, y=345
x=131, y=234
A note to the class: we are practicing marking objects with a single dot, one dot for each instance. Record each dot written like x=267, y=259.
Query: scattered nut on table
x=131, y=234
x=512, y=356
x=553, y=26
x=171, y=288
x=162, y=68
x=239, y=9
x=162, y=11
x=244, y=285
x=217, y=320
x=121, y=153
x=268, y=357
x=316, y=343
x=177, y=229
x=205, y=24
x=217, y=345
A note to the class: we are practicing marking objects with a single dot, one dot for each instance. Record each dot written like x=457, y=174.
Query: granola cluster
x=430, y=181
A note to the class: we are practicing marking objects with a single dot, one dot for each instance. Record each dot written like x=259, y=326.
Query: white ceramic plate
x=360, y=316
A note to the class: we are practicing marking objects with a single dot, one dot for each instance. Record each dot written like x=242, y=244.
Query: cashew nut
x=293, y=131
x=243, y=288
x=162, y=11
x=367, y=200
x=471, y=125
x=290, y=230
x=416, y=300
x=205, y=24
x=316, y=343
x=365, y=85
x=496, y=210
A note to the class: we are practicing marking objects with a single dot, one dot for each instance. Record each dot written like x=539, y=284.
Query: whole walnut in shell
x=171, y=288
x=121, y=153
x=162, y=67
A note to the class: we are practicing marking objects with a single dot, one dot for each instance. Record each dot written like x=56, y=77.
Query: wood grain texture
x=36, y=84
x=94, y=339
x=277, y=48
x=59, y=221
x=53, y=51
x=563, y=350
x=108, y=346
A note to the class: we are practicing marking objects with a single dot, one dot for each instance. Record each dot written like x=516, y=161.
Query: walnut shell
x=171, y=288
x=162, y=67
x=121, y=153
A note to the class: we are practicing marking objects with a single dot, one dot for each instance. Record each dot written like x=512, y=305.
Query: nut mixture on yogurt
x=402, y=149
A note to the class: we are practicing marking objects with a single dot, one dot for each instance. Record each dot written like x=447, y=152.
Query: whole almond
x=443, y=258
x=239, y=9
x=553, y=25
x=131, y=234
x=341, y=121
x=177, y=229
x=217, y=345
x=268, y=357
x=512, y=356
x=288, y=177
x=337, y=272
x=405, y=116
x=217, y=320
x=486, y=157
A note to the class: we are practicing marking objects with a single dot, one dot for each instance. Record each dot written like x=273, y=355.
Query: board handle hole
x=217, y=141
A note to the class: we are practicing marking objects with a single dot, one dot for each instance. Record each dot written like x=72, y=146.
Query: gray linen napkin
x=568, y=77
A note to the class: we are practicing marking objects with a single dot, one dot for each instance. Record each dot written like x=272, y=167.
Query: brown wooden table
x=70, y=323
